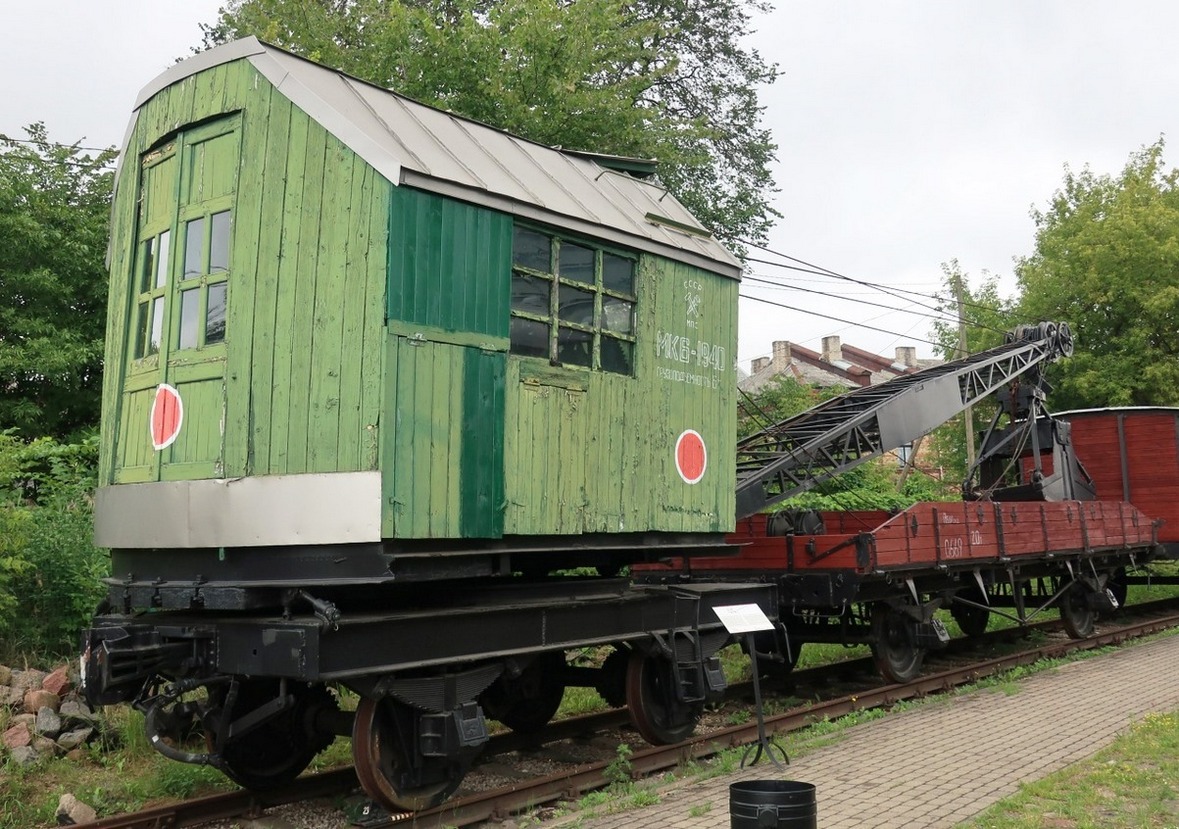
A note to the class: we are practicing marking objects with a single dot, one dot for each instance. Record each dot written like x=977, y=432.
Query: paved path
x=943, y=763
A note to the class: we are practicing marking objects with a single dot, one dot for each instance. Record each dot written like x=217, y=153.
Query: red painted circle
x=691, y=456
x=167, y=413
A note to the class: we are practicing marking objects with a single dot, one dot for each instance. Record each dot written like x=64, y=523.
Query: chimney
x=907, y=355
x=832, y=350
x=781, y=355
x=759, y=363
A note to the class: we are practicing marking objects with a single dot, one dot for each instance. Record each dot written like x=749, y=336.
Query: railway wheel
x=528, y=702
x=1075, y=612
x=276, y=750
x=655, y=711
x=894, y=645
x=972, y=619
x=388, y=765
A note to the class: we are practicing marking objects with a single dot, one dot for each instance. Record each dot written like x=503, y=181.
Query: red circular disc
x=167, y=413
x=691, y=456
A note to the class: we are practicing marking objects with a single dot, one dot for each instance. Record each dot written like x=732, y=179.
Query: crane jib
x=795, y=454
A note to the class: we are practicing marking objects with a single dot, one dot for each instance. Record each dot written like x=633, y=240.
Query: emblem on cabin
x=167, y=413
x=691, y=456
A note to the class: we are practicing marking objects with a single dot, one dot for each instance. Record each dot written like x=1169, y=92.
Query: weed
x=643, y=797
x=619, y=772
x=739, y=717
x=700, y=810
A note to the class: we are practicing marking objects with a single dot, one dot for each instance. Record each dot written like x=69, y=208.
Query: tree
x=780, y=398
x=1106, y=261
x=54, y=208
x=665, y=79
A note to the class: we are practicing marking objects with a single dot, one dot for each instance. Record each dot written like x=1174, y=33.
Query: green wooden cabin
x=385, y=323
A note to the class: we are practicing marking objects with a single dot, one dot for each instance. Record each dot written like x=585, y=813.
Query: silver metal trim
x=258, y=511
x=198, y=63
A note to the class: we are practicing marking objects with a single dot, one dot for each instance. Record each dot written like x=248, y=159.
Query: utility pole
x=958, y=291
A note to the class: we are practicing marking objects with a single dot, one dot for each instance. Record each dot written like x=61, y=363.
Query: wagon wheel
x=384, y=751
x=973, y=620
x=526, y=703
x=894, y=645
x=1075, y=613
x=277, y=750
x=655, y=712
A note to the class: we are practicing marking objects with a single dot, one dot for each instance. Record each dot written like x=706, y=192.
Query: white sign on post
x=743, y=618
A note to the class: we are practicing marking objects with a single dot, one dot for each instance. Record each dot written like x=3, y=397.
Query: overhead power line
x=787, y=287
x=839, y=319
x=818, y=270
x=57, y=144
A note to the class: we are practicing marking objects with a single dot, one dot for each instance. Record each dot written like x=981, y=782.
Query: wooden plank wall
x=591, y=451
x=1151, y=460
x=307, y=285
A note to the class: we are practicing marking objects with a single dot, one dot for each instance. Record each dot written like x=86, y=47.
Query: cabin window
x=185, y=226
x=572, y=303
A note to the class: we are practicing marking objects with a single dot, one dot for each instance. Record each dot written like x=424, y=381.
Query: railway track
x=499, y=798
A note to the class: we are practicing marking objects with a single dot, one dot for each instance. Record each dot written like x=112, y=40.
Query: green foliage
x=54, y=206
x=780, y=398
x=868, y=486
x=665, y=79
x=1107, y=262
x=49, y=570
x=619, y=772
x=871, y=486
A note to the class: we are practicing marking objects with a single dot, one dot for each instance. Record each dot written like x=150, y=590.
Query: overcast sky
x=910, y=132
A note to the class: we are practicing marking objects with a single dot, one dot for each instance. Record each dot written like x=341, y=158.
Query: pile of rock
x=48, y=717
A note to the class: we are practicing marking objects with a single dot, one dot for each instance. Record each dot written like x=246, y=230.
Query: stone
x=5, y=675
x=44, y=746
x=28, y=719
x=75, y=755
x=48, y=723
x=25, y=681
x=57, y=682
x=11, y=696
x=71, y=811
x=268, y=822
x=23, y=756
x=75, y=712
x=17, y=736
x=36, y=700
x=73, y=739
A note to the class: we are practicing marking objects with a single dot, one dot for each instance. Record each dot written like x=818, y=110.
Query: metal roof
x=417, y=145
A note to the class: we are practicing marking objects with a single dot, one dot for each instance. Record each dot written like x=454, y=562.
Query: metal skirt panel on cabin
x=325, y=508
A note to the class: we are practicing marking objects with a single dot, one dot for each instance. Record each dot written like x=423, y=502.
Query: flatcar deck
x=940, y=535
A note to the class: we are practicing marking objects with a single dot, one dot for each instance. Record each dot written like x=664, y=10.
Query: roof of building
x=417, y=145
x=839, y=365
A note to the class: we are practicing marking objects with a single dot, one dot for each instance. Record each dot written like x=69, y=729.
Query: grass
x=1132, y=783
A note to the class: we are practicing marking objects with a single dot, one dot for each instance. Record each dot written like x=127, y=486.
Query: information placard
x=743, y=618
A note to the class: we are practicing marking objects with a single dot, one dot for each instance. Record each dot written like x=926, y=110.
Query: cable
x=787, y=287
x=837, y=319
x=819, y=270
x=60, y=146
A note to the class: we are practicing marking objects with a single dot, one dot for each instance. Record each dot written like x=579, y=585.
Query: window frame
x=597, y=328
x=175, y=223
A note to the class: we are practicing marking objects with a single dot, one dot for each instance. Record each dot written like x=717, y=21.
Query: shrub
x=50, y=570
